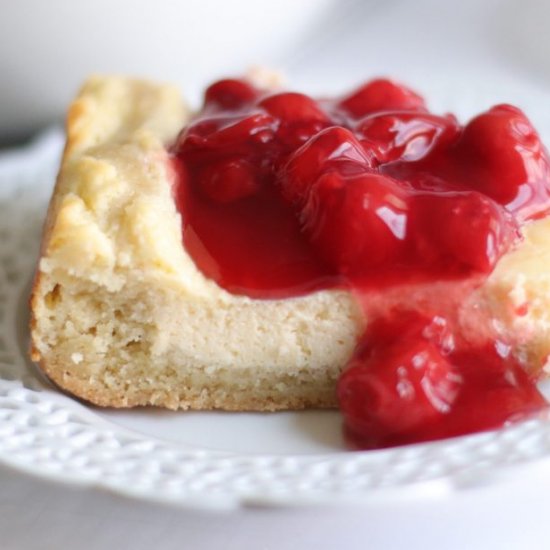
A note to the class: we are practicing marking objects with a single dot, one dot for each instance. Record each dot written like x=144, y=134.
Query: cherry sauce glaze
x=282, y=195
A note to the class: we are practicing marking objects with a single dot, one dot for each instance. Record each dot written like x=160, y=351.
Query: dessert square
x=246, y=256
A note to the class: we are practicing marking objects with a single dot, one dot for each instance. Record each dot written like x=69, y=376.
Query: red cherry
x=496, y=390
x=467, y=231
x=235, y=135
x=229, y=94
x=229, y=180
x=381, y=95
x=406, y=384
x=357, y=222
x=332, y=149
x=410, y=325
x=504, y=157
x=406, y=136
x=292, y=107
x=398, y=392
x=300, y=117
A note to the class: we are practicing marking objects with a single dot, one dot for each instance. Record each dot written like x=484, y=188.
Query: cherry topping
x=381, y=95
x=229, y=94
x=408, y=383
x=331, y=149
x=234, y=135
x=291, y=107
x=505, y=157
x=282, y=195
x=300, y=118
x=229, y=180
x=406, y=136
x=357, y=223
x=467, y=230
x=398, y=389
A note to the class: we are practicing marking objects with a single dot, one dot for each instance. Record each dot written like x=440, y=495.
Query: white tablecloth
x=512, y=515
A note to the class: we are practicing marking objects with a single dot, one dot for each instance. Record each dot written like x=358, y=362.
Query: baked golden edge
x=77, y=112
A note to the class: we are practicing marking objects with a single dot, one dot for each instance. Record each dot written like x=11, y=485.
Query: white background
x=48, y=48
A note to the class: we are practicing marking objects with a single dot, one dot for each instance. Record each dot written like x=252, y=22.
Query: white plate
x=197, y=459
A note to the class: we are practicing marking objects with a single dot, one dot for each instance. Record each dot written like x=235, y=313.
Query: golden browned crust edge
x=76, y=111
x=192, y=400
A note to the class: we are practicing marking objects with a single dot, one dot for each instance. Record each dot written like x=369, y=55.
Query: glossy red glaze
x=410, y=381
x=281, y=195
